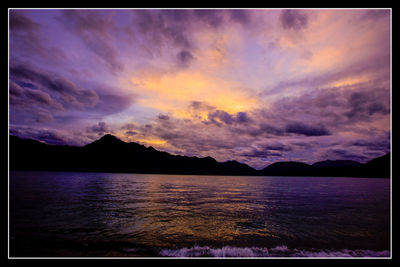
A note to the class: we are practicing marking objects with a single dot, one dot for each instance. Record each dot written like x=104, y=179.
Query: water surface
x=104, y=214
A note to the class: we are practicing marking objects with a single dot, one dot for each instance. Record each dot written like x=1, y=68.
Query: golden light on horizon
x=152, y=141
x=174, y=92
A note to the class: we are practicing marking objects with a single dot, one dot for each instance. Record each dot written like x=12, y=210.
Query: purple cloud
x=211, y=17
x=130, y=133
x=376, y=14
x=66, y=91
x=111, y=104
x=219, y=116
x=256, y=153
x=23, y=97
x=45, y=135
x=100, y=128
x=301, y=128
x=184, y=58
x=94, y=29
x=293, y=19
x=278, y=147
x=155, y=29
x=159, y=28
x=163, y=117
x=365, y=104
x=241, y=16
x=19, y=22
x=27, y=38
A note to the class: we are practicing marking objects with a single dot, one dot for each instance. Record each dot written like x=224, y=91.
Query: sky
x=253, y=85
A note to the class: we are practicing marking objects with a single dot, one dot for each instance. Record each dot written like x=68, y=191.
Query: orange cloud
x=173, y=92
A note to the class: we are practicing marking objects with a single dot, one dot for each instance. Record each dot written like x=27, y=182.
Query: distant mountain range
x=110, y=154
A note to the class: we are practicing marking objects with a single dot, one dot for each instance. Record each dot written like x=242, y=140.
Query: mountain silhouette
x=110, y=154
x=336, y=163
x=378, y=167
x=287, y=168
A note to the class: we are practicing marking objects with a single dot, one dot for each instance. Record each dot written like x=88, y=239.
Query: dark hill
x=110, y=154
x=107, y=140
x=336, y=163
x=378, y=167
x=338, y=168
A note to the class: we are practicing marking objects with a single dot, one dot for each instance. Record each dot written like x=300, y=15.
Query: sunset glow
x=252, y=85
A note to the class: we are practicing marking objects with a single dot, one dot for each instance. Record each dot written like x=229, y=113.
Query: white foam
x=279, y=251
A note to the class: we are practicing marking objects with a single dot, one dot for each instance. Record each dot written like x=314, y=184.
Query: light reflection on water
x=175, y=211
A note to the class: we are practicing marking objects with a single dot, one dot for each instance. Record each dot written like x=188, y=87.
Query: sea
x=82, y=214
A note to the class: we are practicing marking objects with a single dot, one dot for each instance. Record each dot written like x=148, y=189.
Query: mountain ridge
x=110, y=154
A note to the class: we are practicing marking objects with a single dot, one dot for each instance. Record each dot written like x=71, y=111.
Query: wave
x=279, y=251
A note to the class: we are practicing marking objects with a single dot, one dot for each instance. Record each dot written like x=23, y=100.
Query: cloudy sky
x=257, y=86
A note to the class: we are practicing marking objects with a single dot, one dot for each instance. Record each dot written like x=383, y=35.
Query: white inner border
x=391, y=140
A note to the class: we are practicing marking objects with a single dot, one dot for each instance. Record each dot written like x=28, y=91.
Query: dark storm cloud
x=111, y=103
x=162, y=27
x=303, y=129
x=61, y=88
x=157, y=28
x=198, y=105
x=44, y=135
x=364, y=104
x=177, y=15
x=270, y=129
x=26, y=38
x=241, y=16
x=22, y=96
x=376, y=14
x=184, y=58
x=380, y=143
x=261, y=153
x=269, y=149
x=163, y=117
x=278, y=147
x=242, y=117
x=130, y=133
x=29, y=114
x=51, y=138
x=219, y=117
x=99, y=128
x=344, y=153
x=332, y=107
x=293, y=19
x=211, y=17
x=31, y=105
x=94, y=29
x=257, y=129
x=19, y=22
x=45, y=92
